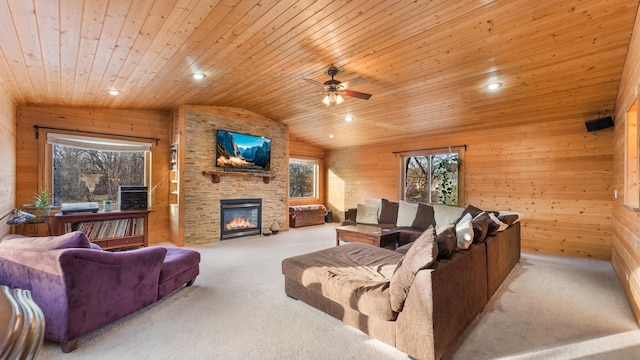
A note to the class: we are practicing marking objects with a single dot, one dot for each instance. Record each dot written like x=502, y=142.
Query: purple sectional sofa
x=81, y=288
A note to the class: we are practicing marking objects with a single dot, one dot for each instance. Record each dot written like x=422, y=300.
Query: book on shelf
x=106, y=229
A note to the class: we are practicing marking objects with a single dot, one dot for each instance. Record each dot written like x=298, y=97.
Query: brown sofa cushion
x=422, y=254
x=480, y=225
x=447, y=241
x=470, y=209
x=353, y=275
x=389, y=212
x=424, y=217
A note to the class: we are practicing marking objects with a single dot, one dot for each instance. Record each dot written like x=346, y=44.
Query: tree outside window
x=303, y=178
x=432, y=178
x=81, y=175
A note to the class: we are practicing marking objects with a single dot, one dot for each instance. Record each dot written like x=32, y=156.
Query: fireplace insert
x=240, y=217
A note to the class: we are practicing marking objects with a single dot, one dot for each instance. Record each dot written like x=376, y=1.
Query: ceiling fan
x=333, y=89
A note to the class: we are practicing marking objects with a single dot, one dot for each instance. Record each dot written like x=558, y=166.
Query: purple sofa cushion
x=179, y=267
x=177, y=261
x=76, y=239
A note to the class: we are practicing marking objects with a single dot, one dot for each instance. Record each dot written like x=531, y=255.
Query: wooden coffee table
x=368, y=234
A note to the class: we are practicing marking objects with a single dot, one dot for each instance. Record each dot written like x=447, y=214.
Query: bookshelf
x=109, y=229
x=174, y=191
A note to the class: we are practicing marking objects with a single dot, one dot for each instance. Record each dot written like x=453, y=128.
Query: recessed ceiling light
x=331, y=136
x=113, y=92
x=348, y=118
x=198, y=76
x=493, y=86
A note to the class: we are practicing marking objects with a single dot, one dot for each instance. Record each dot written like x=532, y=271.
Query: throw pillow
x=374, y=202
x=464, y=232
x=76, y=239
x=388, y=212
x=422, y=254
x=509, y=217
x=470, y=209
x=424, y=217
x=447, y=241
x=500, y=225
x=480, y=225
x=444, y=214
x=367, y=214
x=406, y=214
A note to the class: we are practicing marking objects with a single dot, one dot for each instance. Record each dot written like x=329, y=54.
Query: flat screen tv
x=242, y=152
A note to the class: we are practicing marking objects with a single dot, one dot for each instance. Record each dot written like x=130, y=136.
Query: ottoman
x=180, y=266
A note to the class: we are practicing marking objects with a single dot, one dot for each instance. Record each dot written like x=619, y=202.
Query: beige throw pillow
x=367, y=214
x=422, y=254
x=406, y=214
x=464, y=232
x=444, y=214
x=377, y=203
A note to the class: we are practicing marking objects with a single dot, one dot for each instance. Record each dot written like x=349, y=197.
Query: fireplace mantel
x=215, y=175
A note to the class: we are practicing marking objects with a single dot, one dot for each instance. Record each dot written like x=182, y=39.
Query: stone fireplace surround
x=202, y=197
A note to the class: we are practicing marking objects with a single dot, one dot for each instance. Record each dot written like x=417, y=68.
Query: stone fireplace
x=201, y=205
x=240, y=217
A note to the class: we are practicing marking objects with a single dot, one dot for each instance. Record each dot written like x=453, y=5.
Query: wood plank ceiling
x=426, y=62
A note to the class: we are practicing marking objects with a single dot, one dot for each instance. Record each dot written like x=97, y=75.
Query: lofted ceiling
x=425, y=62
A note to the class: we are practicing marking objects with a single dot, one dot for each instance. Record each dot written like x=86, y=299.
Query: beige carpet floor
x=548, y=308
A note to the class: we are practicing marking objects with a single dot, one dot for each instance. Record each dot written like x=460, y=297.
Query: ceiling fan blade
x=353, y=82
x=357, y=94
x=314, y=82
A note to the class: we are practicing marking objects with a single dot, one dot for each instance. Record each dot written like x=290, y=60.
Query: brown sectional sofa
x=351, y=283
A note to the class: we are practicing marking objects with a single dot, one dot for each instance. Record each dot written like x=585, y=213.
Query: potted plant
x=41, y=206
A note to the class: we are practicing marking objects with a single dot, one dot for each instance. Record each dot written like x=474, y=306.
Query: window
x=631, y=159
x=303, y=178
x=92, y=169
x=432, y=176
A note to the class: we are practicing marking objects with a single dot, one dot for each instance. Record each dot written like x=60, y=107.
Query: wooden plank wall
x=146, y=123
x=626, y=223
x=301, y=150
x=8, y=151
x=556, y=173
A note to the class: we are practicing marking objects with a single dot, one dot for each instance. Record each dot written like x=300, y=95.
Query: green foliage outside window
x=432, y=178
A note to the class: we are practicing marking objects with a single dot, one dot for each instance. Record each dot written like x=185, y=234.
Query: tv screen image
x=242, y=152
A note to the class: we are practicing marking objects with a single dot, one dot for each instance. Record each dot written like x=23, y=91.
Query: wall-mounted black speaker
x=599, y=124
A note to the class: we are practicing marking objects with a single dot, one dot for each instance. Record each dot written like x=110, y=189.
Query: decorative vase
x=275, y=228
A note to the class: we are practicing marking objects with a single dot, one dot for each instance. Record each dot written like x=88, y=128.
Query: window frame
x=402, y=159
x=45, y=152
x=316, y=180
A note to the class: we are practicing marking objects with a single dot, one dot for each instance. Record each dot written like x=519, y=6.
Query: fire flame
x=239, y=223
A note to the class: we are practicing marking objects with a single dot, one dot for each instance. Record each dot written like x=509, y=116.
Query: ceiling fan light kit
x=334, y=89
